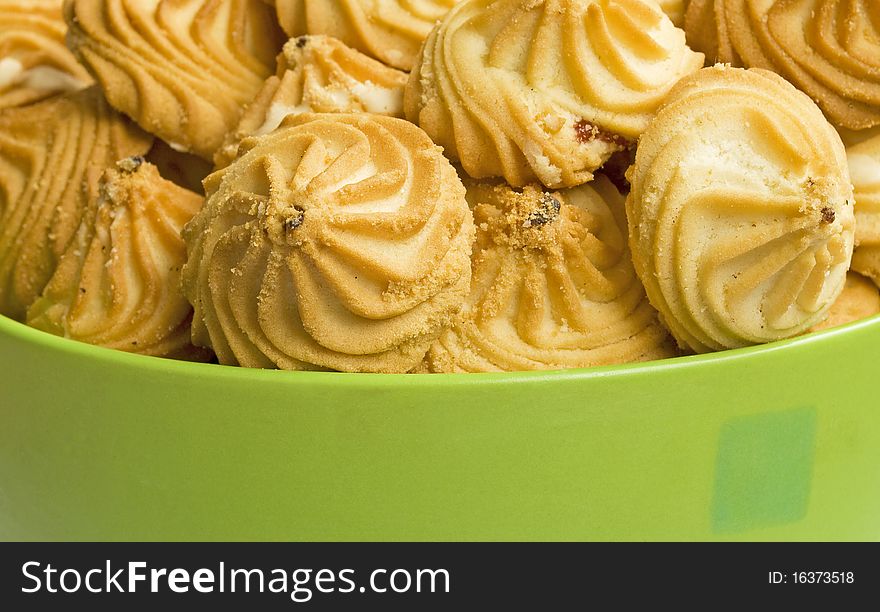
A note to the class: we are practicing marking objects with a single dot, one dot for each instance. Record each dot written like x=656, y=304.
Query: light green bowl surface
x=774, y=442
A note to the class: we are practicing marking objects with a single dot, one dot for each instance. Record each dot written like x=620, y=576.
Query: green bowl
x=775, y=442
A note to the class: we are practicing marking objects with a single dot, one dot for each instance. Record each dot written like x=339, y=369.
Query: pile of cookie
x=438, y=186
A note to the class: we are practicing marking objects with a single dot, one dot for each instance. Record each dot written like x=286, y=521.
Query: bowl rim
x=207, y=371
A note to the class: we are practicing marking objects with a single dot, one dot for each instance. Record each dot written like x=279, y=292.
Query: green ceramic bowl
x=775, y=442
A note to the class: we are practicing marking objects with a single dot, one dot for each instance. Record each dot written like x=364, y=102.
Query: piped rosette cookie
x=864, y=169
x=741, y=210
x=34, y=63
x=318, y=74
x=545, y=90
x=553, y=285
x=52, y=154
x=182, y=69
x=118, y=283
x=389, y=30
x=829, y=49
x=338, y=241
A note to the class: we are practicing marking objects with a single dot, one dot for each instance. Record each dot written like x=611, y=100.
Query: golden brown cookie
x=182, y=70
x=338, y=241
x=52, y=154
x=34, y=63
x=545, y=90
x=859, y=300
x=864, y=170
x=389, y=30
x=741, y=210
x=318, y=74
x=553, y=285
x=829, y=49
x=118, y=283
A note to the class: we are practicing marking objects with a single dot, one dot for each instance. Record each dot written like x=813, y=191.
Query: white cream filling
x=178, y=147
x=375, y=99
x=49, y=78
x=339, y=98
x=10, y=72
x=277, y=113
x=379, y=100
x=45, y=78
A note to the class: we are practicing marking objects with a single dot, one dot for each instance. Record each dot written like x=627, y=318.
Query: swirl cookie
x=741, y=210
x=545, y=90
x=553, y=285
x=336, y=242
x=118, y=283
x=859, y=300
x=829, y=49
x=51, y=156
x=389, y=30
x=864, y=169
x=318, y=74
x=182, y=70
x=34, y=63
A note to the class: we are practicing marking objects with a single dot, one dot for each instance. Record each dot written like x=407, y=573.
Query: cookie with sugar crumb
x=52, y=154
x=553, y=285
x=338, y=241
x=545, y=91
x=318, y=74
x=118, y=283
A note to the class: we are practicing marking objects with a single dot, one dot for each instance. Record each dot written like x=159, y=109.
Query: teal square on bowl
x=764, y=470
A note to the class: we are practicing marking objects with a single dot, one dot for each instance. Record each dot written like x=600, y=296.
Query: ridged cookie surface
x=34, y=63
x=118, y=283
x=545, y=90
x=183, y=69
x=52, y=154
x=553, y=285
x=829, y=49
x=389, y=30
x=338, y=241
x=741, y=210
x=318, y=74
